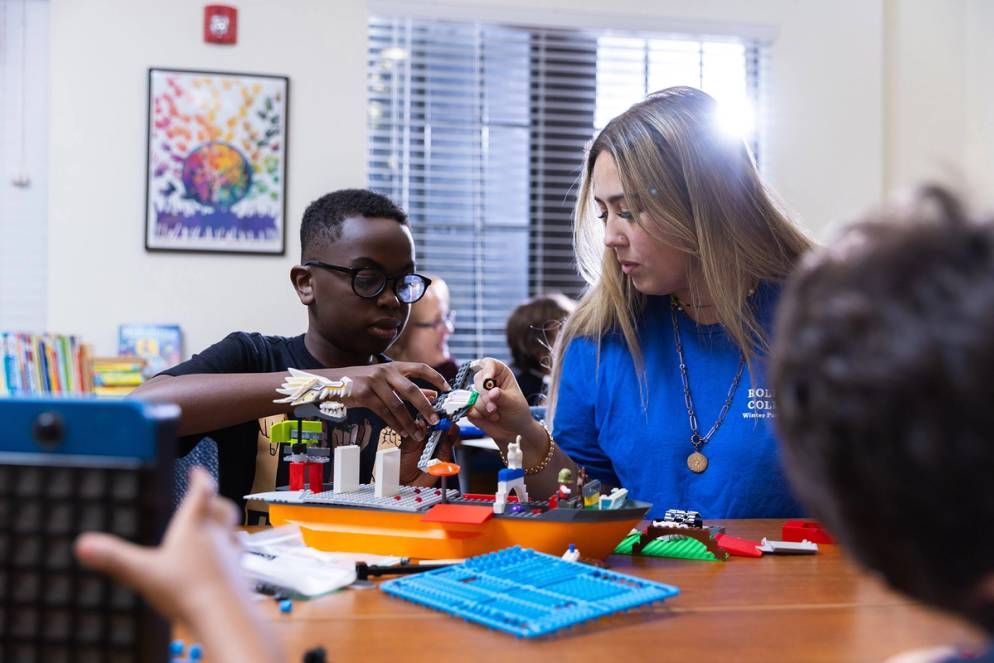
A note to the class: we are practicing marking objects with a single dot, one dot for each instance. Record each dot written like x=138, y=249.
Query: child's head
x=532, y=329
x=350, y=240
x=426, y=336
x=883, y=367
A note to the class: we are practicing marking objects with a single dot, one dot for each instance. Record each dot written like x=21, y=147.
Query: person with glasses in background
x=425, y=339
x=357, y=280
x=531, y=334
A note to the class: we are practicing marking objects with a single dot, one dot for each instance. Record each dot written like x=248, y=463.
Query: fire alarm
x=220, y=24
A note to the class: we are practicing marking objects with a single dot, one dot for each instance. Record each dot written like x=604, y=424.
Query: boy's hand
x=197, y=566
x=383, y=388
x=501, y=412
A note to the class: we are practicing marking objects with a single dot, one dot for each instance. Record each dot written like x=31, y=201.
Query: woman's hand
x=502, y=411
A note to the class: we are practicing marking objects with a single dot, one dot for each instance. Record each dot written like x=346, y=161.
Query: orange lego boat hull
x=409, y=535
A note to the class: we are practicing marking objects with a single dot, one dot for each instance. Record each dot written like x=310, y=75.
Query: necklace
x=697, y=462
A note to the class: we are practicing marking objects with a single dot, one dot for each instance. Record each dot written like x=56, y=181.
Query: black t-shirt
x=248, y=463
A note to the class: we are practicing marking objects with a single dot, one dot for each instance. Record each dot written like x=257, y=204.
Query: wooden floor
x=777, y=608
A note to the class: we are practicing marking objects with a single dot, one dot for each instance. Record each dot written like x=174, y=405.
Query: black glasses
x=370, y=282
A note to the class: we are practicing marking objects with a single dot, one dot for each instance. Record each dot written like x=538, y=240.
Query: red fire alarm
x=220, y=24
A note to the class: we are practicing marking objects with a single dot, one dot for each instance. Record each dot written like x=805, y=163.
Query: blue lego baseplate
x=527, y=593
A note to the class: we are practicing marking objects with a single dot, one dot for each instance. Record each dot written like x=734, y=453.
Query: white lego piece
x=456, y=400
x=615, y=500
x=386, y=474
x=346, y=469
x=805, y=547
x=572, y=553
x=514, y=455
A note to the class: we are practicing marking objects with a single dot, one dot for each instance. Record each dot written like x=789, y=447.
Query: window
x=23, y=164
x=478, y=131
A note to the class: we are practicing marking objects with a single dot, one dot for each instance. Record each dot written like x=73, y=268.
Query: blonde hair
x=691, y=187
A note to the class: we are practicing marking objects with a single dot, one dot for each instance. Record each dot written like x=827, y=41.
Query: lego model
x=430, y=523
x=451, y=407
x=511, y=478
x=689, y=518
x=300, y=435
x=315, y=396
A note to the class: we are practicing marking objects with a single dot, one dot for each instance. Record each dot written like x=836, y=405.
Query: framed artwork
x=215, y=176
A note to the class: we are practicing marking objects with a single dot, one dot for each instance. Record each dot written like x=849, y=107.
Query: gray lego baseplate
x=411, y=499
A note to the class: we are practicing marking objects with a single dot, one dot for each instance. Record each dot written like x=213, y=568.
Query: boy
x=882, y=371
x=357, y=280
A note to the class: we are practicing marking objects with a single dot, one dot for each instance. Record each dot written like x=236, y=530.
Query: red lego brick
x=296, y=476
x=799, y=530
x=458, y=514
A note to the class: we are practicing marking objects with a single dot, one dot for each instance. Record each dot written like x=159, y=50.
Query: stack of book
x=117, y=376
x=43, y=364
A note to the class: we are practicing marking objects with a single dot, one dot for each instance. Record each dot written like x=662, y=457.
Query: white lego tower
x=346, y=472
x=511, y=478
x=386, y=473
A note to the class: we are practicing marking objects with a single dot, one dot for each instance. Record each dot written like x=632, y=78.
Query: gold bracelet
x=535, y=469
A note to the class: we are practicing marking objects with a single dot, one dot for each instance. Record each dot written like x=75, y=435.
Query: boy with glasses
x=357, y=280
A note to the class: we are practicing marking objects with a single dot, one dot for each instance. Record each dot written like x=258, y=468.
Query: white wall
x=867, y=95
x=925, y=77
x=100, y=274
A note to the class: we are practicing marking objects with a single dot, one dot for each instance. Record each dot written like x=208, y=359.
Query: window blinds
x=478, y=131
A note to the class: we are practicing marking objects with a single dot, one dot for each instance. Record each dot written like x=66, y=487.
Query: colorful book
x=161, y=346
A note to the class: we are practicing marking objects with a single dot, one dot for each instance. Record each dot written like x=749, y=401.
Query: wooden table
x=777, y=608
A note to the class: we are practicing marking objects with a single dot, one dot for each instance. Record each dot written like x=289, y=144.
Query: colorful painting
x=216, y=177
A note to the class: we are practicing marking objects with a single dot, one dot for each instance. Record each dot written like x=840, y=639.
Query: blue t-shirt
x=601, y=424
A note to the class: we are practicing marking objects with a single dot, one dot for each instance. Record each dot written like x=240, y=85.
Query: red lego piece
x=458, y=514
x=315, y=473
x=799, y=530
x=739, y=547
x=296, y=476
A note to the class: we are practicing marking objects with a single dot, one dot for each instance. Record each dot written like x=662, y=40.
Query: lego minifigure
x=565, y=480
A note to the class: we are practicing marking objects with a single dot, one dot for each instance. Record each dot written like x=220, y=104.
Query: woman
x=658, y=377
x=425, y=338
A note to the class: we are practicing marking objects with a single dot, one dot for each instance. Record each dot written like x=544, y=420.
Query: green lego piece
x=672, y=545
x=285, y=432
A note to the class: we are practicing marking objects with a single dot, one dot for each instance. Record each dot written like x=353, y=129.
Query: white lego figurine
x=346, y=469
x=386, y=473
x=302, y=387
x=511, y=478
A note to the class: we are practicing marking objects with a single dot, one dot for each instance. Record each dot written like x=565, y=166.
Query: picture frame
x=215, y=177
